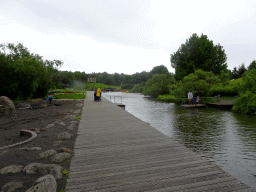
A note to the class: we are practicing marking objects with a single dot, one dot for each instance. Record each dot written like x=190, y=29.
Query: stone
x=59, y=123
x=53, y=169
x=63, y=149
x=62, y=123
x=11, y=169
x=31, y=168
x=31, y=148
x=49, y=126
x=46, y=154
x=74, y=122
x=46, y=183
x=11, y=186
x=77, y=111
x=70, y=117
x=9, y=107
x=57, y=143
x=70, y=127
x=64, y=136
x=59, y=157
x=79, y=105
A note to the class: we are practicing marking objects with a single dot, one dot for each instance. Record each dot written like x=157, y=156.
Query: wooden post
x=89, y=82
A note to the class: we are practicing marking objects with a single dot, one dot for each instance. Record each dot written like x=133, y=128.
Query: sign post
x=91, y=80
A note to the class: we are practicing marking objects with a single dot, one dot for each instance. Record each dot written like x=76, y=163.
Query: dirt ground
x=10, y=127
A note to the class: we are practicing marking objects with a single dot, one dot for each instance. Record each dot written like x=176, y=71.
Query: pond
x=220, y=135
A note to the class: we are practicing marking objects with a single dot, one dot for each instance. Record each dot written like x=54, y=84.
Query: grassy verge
x=103, y=86
x=69, y=96
x=68, y=91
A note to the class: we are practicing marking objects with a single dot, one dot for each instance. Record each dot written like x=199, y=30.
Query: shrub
x=246, y=103
x=158, y=85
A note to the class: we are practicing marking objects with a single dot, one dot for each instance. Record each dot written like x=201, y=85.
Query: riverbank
x=49, y=123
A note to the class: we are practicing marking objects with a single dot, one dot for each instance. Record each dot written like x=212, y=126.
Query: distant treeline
x=25, y=75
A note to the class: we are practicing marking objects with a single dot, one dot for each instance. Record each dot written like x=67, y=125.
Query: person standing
x=190, y=97
x=98, y=94
x=194, y=98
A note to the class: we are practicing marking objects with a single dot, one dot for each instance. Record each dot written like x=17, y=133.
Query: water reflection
x=225, y=138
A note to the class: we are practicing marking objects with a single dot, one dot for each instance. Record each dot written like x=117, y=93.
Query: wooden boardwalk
x=115, y=151
x=222, y=103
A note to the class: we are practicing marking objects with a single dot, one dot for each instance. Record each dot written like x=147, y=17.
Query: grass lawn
x=103, y=86
x=69, y=96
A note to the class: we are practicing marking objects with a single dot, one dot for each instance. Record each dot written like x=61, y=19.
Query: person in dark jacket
x=194, y=98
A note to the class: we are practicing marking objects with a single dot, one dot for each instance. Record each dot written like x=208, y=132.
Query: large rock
x=46, y=154
x=57, y=122
x=63, y=149
x=11, y=186
x=53, y=169
x=49, y=126
x=64, y=136
x=77, y=111
x=11, y=169
x=46, y=183
x=57, y=143
x=70, y=127
x=79, y=105
x=59, y=157
x=74, y=122
x=9, y=108
x=70, y=117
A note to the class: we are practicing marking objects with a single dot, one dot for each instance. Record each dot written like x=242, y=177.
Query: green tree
x=246, y=103
x=241, y=70
x=23, y=74
x=161, y=69
x=235, y=74
x=252, y=65
x=198, y=53
x=200, y=81
x=137, y=88
x=158, y=85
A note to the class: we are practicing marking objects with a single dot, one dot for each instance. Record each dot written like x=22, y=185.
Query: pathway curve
x=115, y=151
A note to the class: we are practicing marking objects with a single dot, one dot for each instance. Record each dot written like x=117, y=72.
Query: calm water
x=223, y=137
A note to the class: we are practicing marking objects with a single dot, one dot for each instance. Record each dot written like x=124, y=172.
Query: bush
x=223, y=90
x=127, y=86
x=246, y=103
x=137, y=89
x=159, y=84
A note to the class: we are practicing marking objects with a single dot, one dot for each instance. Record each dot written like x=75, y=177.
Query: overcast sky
x=127, y=36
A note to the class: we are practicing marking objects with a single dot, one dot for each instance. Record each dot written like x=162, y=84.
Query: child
x=197, y=100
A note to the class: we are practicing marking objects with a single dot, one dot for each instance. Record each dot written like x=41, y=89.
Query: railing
x=116, y=99
x=218, y=96
x=235, y=97
x=120, y=98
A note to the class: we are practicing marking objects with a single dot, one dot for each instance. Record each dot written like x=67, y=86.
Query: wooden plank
x=115, y=151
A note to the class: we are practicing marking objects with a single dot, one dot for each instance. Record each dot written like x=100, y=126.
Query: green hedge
x=69, y=96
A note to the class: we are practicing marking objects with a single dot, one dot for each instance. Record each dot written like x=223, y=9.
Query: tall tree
x=198, y=53
x=241, y=70
x=252, y=65
x=235, y=74
x=161, y=69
